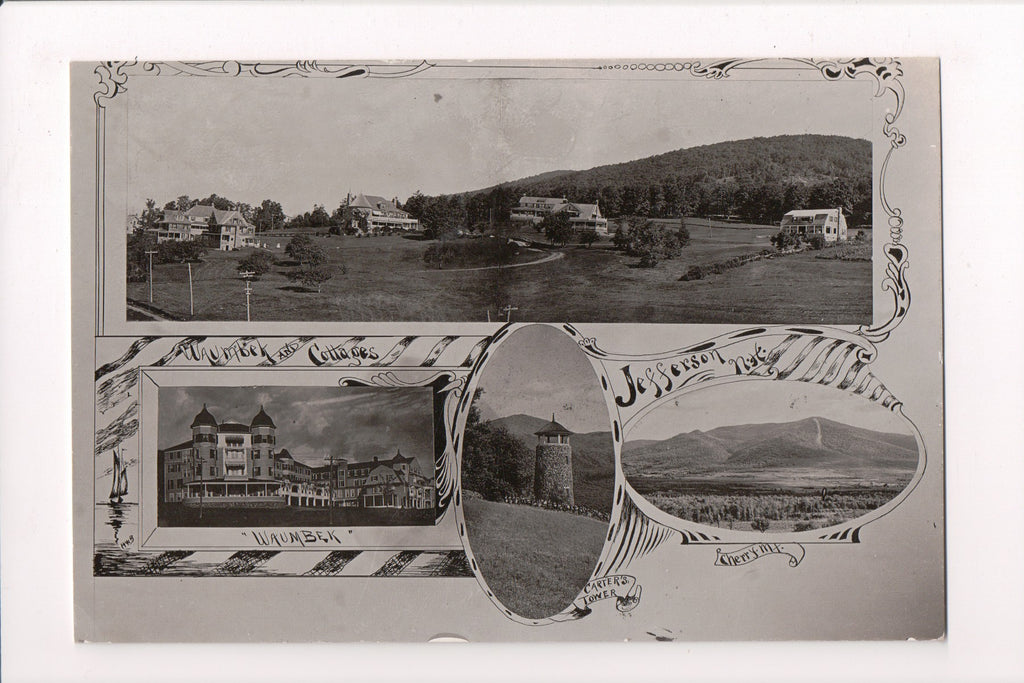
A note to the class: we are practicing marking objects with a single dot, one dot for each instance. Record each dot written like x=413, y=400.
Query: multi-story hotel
x=229, y=463
x=378, y=215
x=829, y=223
x=582, y=216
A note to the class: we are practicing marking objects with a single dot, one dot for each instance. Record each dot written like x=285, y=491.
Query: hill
x=756, y=179
x=814, y=443
x=593, y=459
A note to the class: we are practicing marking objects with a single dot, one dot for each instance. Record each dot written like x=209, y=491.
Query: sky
x=355, y=423
x=537, y=371
x=758, y=401
x=306, y=141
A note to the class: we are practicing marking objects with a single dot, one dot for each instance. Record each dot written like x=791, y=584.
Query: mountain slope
x=811, y=443
x=758, y=179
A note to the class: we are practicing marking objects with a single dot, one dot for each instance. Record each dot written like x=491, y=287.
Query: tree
x=759, y=525
x=268, y=216
x=314, y=276
x=258, y=262
x=183, y=203
x=557, y=228
x=588, y=237
x=651, y=242
x=151, y=216
x=495, y=463
x=442, y=217
x=137, y=260
x=305, y=251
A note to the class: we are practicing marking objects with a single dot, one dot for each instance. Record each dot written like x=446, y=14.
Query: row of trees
x=268, y=215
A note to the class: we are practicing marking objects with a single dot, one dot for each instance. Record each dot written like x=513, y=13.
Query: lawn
x=385, y=279
x=535, y=561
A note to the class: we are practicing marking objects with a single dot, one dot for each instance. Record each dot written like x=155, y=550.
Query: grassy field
x=385, y=279
x=535, y=561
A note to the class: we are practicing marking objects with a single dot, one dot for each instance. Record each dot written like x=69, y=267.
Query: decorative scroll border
x=823, y=356
x=118, y=392
x=886, y=73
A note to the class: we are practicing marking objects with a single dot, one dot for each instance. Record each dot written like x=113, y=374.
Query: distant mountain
x=757, y=179
x=593, y=458
x=811, y=443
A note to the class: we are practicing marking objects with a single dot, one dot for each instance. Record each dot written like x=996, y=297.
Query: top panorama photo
x=545, y=199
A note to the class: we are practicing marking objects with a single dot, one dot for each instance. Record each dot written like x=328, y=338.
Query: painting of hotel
x=229, y=465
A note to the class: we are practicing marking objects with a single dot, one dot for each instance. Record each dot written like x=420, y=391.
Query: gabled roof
x=283, y=453
x=552, y=429
x=233, y=428
x=401, y=458
x=204, y=419
x=262, y=420
x=220, y=216
x=587, y=211
x=372, y=201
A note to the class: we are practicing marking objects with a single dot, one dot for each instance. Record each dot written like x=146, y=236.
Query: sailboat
x=119, y=486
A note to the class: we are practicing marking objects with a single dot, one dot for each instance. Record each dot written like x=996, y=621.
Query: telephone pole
x=508, y=312
x=150, y=254
x=191, y=305
x=247, y=275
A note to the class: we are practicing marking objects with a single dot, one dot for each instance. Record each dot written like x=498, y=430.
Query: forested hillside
x=756, y=180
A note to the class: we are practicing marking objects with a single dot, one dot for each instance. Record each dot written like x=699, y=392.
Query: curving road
x=553, y=256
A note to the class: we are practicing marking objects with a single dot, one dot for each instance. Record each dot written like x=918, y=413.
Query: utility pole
x=247, y=275
x=508, y=312
x=191, y=305
x=150, y=254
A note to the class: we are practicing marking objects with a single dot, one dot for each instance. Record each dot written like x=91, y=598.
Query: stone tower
x=552, y=479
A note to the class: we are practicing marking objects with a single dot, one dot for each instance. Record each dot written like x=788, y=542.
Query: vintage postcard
x=508, y=351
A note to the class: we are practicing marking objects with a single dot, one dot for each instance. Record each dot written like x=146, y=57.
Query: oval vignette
x=770, y=456
x=536, y=506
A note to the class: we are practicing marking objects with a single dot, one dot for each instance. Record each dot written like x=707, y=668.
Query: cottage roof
x=204, y=419
x=809, y=212
x=283, y=453
x=262, y=420
x=586, y=210
x=372, y=201
x=220, y=216
x=552, y=429
x=542, y=200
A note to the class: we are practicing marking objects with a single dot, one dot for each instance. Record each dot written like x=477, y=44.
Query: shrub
x=759, y=525
x=174, y=251
x=314, y=276
x=258, y=262
x=693, y=273
x=816, y=242
x=588, y=237
x=783, y=241
x=861, y=236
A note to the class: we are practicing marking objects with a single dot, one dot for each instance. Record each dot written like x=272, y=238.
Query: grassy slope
x=535, y=561
x=386, y=280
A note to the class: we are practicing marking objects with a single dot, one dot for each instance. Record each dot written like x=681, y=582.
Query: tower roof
x=262, y=420
x=552, y=429
x=400, y=458
x=204, y=419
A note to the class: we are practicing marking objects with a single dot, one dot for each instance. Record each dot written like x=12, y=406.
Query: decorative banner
x=795, y=551
x=622, y=587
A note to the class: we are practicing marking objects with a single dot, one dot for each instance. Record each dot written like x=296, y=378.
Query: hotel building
x=233, y=464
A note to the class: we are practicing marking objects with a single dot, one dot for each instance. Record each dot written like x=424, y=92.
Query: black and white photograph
x=449, y=192
x=770, y=457
x=537, y=494
x=295, y=456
